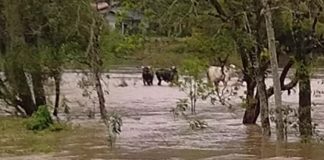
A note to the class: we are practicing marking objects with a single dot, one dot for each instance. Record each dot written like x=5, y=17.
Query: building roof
x=133, y=14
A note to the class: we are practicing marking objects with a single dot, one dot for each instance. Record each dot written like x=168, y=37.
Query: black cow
x=147, y=75
x=167, y=75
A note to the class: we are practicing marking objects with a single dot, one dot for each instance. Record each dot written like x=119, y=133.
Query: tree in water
x=95, y=63
x=274, y=67
x=305, y=42
x=93, y=59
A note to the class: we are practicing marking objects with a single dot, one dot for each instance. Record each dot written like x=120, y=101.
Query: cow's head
x=232, y=66
x=174, y=74
x=236, y=72
x=230, y=70
x=146, y=69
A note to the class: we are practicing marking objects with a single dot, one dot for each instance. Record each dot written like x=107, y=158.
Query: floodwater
x=151, y=132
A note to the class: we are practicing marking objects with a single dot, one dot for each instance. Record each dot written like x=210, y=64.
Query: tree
x=305, y=42
x=95, y=62
x=193, y=84
x=274, y=67
x=45, y=35
x=13, y=45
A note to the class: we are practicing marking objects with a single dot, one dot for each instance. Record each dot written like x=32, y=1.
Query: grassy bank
x=16, y=140
x=164, y=52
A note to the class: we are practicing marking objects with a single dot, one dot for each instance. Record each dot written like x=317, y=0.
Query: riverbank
x=16, y=140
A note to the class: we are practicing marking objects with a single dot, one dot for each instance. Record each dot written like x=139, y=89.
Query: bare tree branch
x=283, y=76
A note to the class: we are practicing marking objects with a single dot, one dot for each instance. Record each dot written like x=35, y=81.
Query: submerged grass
x=15, y=139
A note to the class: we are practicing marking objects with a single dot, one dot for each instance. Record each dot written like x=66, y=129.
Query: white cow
x=216, y=75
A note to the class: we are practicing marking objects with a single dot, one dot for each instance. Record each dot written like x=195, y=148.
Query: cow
x=167, y=75
x=216, y=74
x=147, y=75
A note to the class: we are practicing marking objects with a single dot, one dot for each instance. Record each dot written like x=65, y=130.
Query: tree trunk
x=3, y=35
x=96, y=65
x=264, y=108
x=11, y=33
x=304, y=110
x=259, y=74
x=19, y=83
x=101, y=97
x=303, y=47
x=38, y=88
x=57, y=81
x=31, y=41
x=252, y=111
x=274, y=67
x=254, y=72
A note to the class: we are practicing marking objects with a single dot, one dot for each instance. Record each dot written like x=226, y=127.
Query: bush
x=40, y=120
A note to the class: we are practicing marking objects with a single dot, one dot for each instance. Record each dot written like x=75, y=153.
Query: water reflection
x=253, y=142
x=269, y=148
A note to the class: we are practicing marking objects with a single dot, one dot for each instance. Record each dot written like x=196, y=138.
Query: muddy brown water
x=150, y=131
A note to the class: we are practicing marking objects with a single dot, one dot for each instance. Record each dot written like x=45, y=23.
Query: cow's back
x=163, y=74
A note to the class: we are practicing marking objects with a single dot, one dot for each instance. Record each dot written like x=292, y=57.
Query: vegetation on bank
x=17, y=140
x=165, y=52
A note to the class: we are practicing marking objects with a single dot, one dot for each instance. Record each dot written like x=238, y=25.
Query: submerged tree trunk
x=304, y=110
x=96, y=65
x=274, y=67
x=306, y=42
x=255, y=71
x=252, y=111
x=264, y=108
x=101, y=97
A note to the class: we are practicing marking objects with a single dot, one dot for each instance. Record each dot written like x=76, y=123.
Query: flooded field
x=150, y=131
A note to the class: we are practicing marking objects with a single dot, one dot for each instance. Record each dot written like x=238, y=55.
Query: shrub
x=40, y=120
